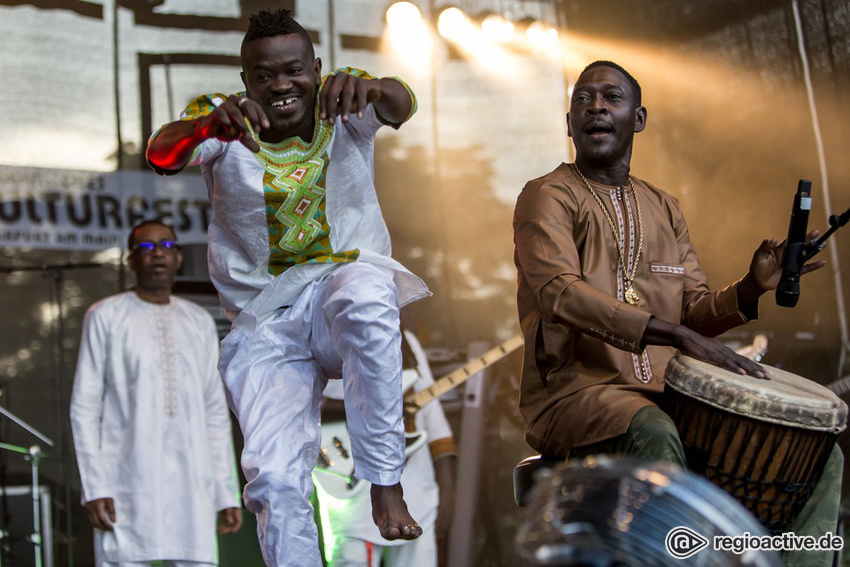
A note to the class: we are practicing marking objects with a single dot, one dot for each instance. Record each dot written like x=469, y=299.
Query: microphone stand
x=835, y=222
x=34, y=456
x=811, y=249
x=64, y=402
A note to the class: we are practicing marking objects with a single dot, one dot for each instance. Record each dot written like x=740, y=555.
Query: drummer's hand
x=708, y=350
x=766, y=265
x=101, y=513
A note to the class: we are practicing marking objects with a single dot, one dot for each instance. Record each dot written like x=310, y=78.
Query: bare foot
x=389, y=512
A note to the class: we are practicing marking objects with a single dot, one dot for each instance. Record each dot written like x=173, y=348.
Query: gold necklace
x=628, y=275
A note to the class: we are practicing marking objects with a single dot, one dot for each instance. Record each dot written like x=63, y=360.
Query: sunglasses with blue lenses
x=147, y=247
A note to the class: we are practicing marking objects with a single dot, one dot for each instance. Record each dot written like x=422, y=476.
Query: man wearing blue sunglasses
x=150, y=420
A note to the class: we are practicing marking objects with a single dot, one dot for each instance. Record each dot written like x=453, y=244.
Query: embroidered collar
x=278, y=155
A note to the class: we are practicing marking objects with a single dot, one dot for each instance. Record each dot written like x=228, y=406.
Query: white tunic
x=238, y=233
x=152, y=429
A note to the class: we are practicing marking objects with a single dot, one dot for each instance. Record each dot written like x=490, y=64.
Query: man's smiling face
x=282, y=75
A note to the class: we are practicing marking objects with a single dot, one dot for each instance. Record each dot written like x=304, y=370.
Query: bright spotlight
x=497, y=28
x=541, y=36
x=453, y=24
x=402, y=15
x=408, y=34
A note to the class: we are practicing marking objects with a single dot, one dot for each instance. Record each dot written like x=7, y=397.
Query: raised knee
x=271, y=486
x=364, y=282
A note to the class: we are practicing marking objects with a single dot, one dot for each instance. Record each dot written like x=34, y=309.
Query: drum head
x=786, y=398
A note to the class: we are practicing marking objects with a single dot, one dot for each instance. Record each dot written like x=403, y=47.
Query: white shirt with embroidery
x=152, y=429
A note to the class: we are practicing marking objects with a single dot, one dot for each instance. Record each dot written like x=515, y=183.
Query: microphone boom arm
x=814, y=247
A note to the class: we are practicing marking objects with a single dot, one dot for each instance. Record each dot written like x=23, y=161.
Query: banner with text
x=84, y=210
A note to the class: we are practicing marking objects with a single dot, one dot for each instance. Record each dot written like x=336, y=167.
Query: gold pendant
x=632, y=296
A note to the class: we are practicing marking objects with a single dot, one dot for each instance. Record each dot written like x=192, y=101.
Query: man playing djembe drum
x=610, y=287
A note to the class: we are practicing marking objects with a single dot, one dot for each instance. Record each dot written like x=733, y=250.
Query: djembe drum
x=764, y=441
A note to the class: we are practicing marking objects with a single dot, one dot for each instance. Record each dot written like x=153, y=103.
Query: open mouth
x=598, y=130
x=285, y=104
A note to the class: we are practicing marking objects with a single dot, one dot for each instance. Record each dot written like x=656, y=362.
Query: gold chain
x=628, y=275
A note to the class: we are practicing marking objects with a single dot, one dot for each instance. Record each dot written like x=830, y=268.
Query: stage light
x=497, y=28
x=453, y=24
x=403, y=15
x=408, y=34
x=541, y=36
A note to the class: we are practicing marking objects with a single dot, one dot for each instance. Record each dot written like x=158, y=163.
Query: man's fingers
x=222, y=122
x=768, y=245
x=362, y=97
x=230, y=520
x=249, y=142
x=241, y=127
x=328, y=101
x=254, y=113
x=230, y=118
x=343, y=95
x=747, y=367
x=107, y=516
x=236, y=519
x=243, y=118
x=720, y=355
x=811, y=267
x=347, y=104
x=101, y=513
x=261, y=117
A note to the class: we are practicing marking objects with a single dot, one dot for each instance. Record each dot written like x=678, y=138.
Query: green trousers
x=652, y=435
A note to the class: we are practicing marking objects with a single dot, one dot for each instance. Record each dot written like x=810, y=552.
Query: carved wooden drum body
x=764, y=441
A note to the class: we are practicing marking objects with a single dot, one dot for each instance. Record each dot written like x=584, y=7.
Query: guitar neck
x=452, y=380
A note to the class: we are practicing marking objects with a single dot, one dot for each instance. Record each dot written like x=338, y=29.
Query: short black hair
x=632, y=81
x=268, y=23
x=131, y=240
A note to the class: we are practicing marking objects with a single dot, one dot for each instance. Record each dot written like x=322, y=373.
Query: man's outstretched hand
x=343, y=95
x=715, y=352
x=766, y=265
x=691, y=343
x=227, y=121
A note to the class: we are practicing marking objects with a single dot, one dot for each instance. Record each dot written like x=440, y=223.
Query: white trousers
x=163, y=563
x=421, y=552
x=343, y=326
x=99, y=561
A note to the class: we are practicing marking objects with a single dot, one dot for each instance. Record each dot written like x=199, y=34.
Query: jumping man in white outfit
x=300, y=255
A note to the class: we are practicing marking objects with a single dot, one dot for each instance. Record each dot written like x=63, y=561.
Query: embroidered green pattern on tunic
x=294, y=189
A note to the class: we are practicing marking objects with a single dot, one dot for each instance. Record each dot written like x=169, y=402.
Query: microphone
x=788, y=290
